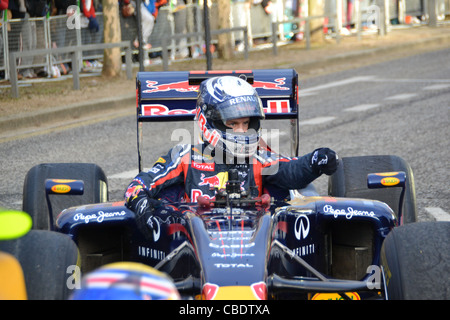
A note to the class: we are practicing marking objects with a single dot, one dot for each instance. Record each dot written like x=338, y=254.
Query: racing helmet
x=226, y=98
x=126, y=281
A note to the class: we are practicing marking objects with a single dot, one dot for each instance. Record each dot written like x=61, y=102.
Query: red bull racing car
x=360, y=241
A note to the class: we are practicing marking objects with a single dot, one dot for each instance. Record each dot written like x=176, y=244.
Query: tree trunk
x=112, y=60
x=316, y=8
x=225, y=45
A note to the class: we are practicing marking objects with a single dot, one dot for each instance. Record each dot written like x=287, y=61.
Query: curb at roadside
x=65, y=113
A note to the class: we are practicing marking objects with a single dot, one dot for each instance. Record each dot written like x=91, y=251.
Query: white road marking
x=336, y=84
x=362, y=107
x=306, y=94
x=411, y=80
x=402, y=96
x=438, y=213
x=318, y=120
x=442, y=83
x=437, y=87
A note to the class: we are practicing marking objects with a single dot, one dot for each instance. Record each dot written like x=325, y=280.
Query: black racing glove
x=324, y=160
x=137, y=200
x=145, y=213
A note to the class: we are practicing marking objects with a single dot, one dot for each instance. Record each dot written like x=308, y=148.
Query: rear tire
x=45, y=258
x=34, y=201
x=416, y=261
x=350, y=181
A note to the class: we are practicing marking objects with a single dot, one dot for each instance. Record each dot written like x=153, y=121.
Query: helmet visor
x=239, y=107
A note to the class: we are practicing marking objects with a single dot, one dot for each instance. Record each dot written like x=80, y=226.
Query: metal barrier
x=34, y=34
x=75, y=52
x=3, y=46
x=165, y=47
x=177, y=29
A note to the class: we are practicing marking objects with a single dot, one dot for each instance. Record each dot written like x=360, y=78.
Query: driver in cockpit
x=228, y=115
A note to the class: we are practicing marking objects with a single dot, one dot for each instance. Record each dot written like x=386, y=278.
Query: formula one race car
x=358, y=242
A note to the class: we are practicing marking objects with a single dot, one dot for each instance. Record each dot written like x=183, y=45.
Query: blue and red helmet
x=226, y=98
x=126, y=281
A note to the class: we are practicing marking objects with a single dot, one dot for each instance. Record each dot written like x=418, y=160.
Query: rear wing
x=172, y=95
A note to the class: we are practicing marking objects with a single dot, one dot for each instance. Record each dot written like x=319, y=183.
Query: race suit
x=200, y=175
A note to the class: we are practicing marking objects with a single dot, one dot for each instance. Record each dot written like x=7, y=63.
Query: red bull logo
x=209, y=181
x=180, y=86
x=212, y=136
x=132, y=192
x=268, y=85
x=218, y=181
x=154, y=110
x=184, y=86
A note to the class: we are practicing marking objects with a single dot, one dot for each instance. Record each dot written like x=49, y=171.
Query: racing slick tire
x=34, y=200
x=48, y=260
x=350, y=181
x=416, y=261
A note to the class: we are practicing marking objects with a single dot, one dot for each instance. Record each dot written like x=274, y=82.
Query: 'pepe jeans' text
x=99, y=216
x=348, y=213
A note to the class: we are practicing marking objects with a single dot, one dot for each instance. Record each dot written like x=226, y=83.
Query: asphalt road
x=400, y=107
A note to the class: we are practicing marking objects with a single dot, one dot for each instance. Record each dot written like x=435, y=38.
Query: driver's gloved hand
x=146, y=205
x=145, y=215
x=137, y=200
x=324, y=160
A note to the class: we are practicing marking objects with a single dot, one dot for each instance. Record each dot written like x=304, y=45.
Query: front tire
x=47, y=259
x=416, y=261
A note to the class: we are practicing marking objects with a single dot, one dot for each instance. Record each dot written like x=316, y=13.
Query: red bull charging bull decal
x=269, y=85
x=180, y=86
x=216, y=182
